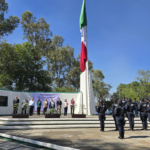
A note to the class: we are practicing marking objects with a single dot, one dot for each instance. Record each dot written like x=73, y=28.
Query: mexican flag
x=83, y=29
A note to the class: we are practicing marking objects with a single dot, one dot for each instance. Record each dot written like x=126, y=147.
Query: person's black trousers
x=72, y=109
x=65, y=111
x=45, y=109
x=115, y=122
x=31, y=110
x=120, y=123
x=131, y=119
x=15, y=111
x=101, y=118
x=38, y=110
x=144, y=120
x=23, y=110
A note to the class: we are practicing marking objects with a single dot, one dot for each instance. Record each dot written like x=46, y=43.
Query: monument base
x=20, y=116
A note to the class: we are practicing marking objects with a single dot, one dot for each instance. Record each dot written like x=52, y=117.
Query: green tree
x=22, y=71
x=59, y=61
x=101, y=89
x=8, y=25
x=36, y=32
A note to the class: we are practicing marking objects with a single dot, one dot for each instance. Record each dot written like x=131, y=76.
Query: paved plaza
x=87, y=139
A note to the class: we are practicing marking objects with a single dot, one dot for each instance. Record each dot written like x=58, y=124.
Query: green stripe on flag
x=83, y=18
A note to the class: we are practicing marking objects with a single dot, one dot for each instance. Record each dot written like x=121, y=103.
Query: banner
x=42, y=97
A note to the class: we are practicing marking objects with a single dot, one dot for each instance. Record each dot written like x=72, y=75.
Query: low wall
x=8, y=110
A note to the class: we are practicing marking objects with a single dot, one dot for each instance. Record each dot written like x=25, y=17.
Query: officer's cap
x=115, y=99
x=134, y=98
x=101, y=101
x=119, y=102
x=123, y=97
x=129, y=100
x=141, y=99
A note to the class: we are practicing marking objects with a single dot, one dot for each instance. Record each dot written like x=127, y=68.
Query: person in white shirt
x=65, y=107
x=31, y=106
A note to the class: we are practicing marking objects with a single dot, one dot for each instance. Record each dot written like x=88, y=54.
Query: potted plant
x=52, y=113
x=80, y=115
x=21, y=115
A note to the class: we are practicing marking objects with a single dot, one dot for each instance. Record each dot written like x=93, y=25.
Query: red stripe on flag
x=83, y=57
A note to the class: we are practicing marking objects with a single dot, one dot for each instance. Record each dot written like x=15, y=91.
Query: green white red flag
x=83, y=29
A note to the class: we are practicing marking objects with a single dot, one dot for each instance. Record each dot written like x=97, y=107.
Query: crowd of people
x=128, y=108
x=25, y=103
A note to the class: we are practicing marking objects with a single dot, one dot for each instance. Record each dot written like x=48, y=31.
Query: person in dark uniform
x=114, y=105
x=124, y=102
x=101, y=108
x=130, y=107
x=148, y=109
x=15, y=104
x=136, y=107
x=142, y=107
x=119, y=113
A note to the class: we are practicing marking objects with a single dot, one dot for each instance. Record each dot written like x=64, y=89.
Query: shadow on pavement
x=131, y=137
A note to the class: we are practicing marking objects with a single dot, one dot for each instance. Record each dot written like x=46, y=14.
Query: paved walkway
x=9, y=145
x=88, y=139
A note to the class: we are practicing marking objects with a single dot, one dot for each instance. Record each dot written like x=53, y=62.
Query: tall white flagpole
x=87, y=75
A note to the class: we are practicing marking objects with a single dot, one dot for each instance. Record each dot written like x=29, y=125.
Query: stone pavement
x=88, y=139
x=9, y=145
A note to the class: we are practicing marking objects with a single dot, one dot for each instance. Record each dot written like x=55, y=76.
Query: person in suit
x=59, y=103
x=72, y=105
x=24, y=105
x=45, y=105
x=38, y=106
x=52, y=104
x=65, y=107
x=31, y=106
x=15, y=104
x=101, y=108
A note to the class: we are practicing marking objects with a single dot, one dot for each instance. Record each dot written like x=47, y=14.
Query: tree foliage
x=136, y=89
x=101, y=89
x=21, y=68
x=8, y=25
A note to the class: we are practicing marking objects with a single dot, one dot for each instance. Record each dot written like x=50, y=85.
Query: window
x=3, y=101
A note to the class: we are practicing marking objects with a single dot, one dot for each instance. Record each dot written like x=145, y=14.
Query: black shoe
x=100, y=129
x=142, y=129
x=120, y=137
x=116, y=130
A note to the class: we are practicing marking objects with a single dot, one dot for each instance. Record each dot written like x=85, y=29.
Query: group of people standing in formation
x=51, y=105
x=128, y=108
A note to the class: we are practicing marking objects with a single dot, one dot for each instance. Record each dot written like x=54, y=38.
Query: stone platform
x=64, y=122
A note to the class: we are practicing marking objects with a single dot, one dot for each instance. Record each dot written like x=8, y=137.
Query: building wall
x=21, y=95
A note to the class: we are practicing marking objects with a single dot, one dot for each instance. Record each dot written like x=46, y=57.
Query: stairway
x=59, y=123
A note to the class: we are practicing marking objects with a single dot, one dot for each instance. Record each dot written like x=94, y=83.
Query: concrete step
x=59, y=122
x=57, y=119
x=62, y=126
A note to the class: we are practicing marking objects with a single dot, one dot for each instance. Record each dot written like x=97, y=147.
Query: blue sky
x=118, y=32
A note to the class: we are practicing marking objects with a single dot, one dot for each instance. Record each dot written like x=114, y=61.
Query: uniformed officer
x=101, y=113
x=148, y=109
x=124, y=102
x=142, y=107
x=136, y=107
x=119, y=113
x=114, y=105
x=130, y=107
